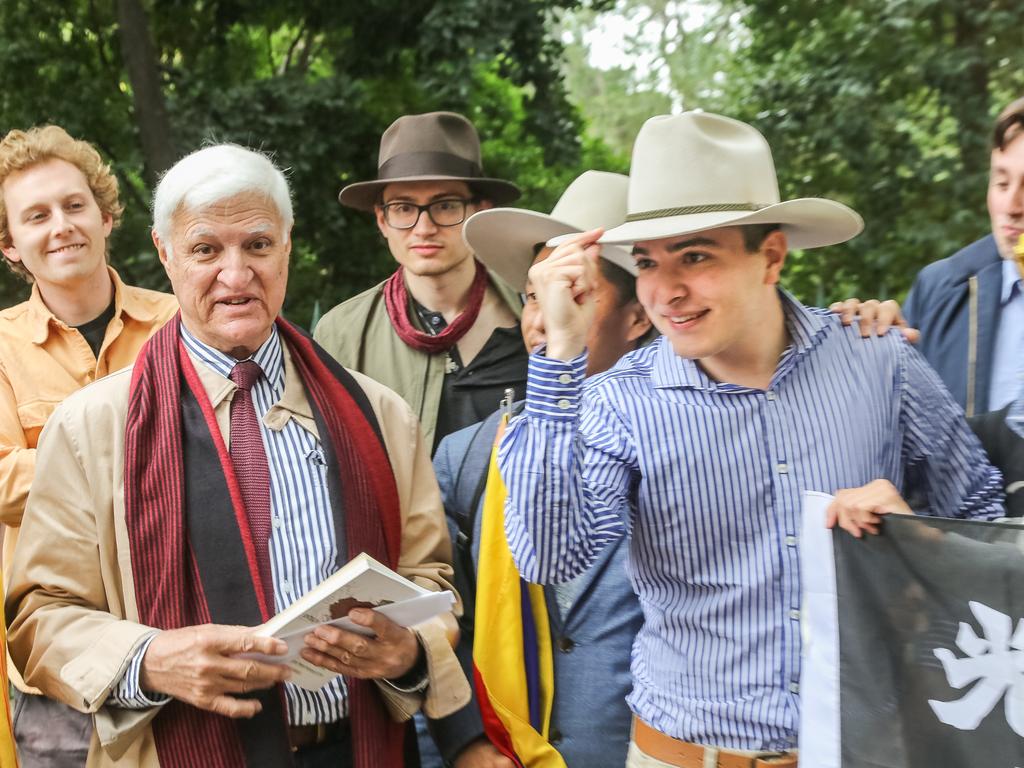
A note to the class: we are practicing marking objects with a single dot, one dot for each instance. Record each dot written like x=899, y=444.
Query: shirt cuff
x=553, y=386
x=416, y=679
x=127, y=693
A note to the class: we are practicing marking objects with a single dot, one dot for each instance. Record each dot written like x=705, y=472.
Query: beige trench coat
x=71, y=602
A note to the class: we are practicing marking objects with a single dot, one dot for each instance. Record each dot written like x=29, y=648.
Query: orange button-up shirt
x=43, y=360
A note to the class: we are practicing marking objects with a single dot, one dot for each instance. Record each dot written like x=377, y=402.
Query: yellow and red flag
x=512, y=659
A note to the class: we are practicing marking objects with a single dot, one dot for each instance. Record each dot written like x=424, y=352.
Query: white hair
x=212, y=175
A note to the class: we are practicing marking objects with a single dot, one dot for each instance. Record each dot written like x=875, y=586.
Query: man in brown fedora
x=441, y=331
x=699, y=446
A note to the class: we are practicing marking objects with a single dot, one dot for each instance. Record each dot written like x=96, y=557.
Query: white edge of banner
x=819, y=741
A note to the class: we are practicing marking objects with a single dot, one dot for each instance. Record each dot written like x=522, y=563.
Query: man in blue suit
x=595, y=618
x=970, y=306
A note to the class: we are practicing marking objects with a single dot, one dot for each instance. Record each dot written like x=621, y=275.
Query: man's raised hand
x=564, y=284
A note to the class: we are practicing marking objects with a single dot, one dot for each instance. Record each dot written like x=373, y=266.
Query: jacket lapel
x=990, y=283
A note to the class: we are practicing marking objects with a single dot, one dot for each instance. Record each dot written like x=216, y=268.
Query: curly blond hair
x=23, y=149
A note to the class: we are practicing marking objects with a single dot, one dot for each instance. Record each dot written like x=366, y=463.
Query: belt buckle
x=318, y=733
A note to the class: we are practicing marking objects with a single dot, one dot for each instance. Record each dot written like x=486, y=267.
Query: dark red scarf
x=396, y=300
x=192, y=556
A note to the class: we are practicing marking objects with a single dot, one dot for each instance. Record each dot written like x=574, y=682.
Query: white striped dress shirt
x=707, y=478
x=303, y=546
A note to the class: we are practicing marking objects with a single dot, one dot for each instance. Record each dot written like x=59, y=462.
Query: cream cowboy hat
x=698, y=171
x=503, y=238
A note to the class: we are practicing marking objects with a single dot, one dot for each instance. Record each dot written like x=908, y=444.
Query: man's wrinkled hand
x=482, y=754
x=389, y=654
x=860, y=510
x=197, y=665
x=875, y=317
x=564, y=284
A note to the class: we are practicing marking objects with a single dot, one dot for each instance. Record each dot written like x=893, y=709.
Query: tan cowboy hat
x=503, y=238
x=436, y=146
x=698, y=171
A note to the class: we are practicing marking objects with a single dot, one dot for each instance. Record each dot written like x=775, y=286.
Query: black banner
x=931, y=645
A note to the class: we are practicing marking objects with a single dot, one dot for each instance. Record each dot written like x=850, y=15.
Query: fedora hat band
x=428, y=164
x=688, y=210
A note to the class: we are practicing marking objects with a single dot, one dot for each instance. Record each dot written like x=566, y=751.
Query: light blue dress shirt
x=716, y=472
x=1008, y=353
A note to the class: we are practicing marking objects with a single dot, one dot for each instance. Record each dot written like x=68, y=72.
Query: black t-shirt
x=471, y=393
x=96, y=329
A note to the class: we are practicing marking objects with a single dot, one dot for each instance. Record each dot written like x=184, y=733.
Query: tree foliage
x=886, y=105
x=313, y=82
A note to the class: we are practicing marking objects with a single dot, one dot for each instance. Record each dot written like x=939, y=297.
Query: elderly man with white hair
x=232, y=469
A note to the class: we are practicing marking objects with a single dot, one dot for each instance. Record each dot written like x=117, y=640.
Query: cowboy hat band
x=428, y=164
x=689, y=210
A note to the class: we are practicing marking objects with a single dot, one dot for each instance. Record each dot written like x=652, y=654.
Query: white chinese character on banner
x=996, y=661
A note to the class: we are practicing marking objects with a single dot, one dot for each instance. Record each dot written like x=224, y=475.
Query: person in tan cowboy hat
x=441, y=331
x=597, y=616
x=699, y=446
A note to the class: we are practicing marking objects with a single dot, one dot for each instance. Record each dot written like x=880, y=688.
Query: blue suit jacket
x=590, y=720
x=955, y=303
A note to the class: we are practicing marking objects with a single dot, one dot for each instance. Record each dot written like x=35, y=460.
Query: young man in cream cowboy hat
x=594, y=620
x=441, y=332
x=699, y=446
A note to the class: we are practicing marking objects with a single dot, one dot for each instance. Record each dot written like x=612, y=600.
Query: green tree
x=313, y=82
x=886, y=105
x=675, y=55
x=883, y=104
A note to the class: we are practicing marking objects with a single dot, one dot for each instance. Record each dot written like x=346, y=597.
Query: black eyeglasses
x=444, y=213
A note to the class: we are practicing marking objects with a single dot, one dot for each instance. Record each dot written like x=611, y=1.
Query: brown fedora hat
x=436, y=146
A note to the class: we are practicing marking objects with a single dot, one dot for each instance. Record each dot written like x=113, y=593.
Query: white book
x=360, y=583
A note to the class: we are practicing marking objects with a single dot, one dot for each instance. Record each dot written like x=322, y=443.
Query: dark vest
x=1005, y=449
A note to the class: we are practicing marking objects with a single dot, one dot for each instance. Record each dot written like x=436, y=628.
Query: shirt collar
x=805, y=331
x=124, y=301
x=268, y=357
x=1011, y=280
x=40, y=316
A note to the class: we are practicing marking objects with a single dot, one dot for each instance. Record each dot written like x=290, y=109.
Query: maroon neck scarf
x=193, y=560
x=396, y=300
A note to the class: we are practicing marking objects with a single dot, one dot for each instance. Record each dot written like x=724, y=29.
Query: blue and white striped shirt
x=707, y=477
x=303, y=546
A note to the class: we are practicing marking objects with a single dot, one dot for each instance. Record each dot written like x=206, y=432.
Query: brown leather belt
x=686, y=755
x=302, y=736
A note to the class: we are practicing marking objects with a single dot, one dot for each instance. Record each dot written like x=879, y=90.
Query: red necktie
x=251, y=469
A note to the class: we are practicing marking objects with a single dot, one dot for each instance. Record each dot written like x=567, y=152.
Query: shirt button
x=286, y=585
x=564, y=404
x=770, y=396
x=791, y=541
x=565, y=378
x=794, y=687
x=276, y=522
x=782, y=468
x=566, y=644
x=794, y=614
